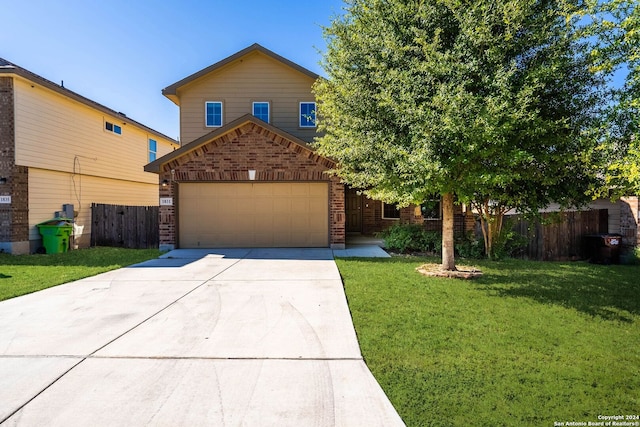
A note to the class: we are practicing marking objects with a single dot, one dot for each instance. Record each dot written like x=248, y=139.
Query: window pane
x=390, y=211
x=153, y=148
x=261, y=111
x=214, y=113
x=117, y=129
x=307, y=114
x=108, y=126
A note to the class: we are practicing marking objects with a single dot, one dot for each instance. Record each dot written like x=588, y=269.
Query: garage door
x=253, y=215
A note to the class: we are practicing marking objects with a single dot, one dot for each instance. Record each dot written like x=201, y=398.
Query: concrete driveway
x=258, y=337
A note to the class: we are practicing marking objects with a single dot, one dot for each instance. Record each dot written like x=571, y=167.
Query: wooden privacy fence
x=560, y=240
x=134, y=227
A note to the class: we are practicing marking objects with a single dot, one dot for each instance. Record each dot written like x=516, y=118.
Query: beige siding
x=49, y=190
x=614, y=213
x=255, y=77
x=56, y=133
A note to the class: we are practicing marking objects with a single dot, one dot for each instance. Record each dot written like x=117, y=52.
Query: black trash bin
x=603, y=248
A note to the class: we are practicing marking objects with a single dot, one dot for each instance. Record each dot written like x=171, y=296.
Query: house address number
x=166, y=201
x=5, y=200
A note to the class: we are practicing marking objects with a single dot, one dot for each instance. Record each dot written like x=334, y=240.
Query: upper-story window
x=390, y=211
x=261, y=111
x=307, y=114
x=213, y=113
x=153, y=149
x=112, y=127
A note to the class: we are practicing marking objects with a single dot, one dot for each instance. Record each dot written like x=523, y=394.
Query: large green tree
x=481, y=101
x=613, y=29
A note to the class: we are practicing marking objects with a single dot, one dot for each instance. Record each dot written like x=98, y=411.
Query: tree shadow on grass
x=609, y=292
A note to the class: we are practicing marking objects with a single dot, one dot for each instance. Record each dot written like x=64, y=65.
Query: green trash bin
x=55, y=234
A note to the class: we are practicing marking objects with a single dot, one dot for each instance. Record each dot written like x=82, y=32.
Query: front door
x=353, y=208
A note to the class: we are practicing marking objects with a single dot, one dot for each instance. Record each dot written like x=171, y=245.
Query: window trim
x=390, y=218
x=253, y=110
x=206, y=106
x=315, y=124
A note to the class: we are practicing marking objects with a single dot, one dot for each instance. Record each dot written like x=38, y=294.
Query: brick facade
x=228, y=157
x=14, y=216
x=372, y=221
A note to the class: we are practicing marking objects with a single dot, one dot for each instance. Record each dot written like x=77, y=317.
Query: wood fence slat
x=560, y=241
x=133, y=227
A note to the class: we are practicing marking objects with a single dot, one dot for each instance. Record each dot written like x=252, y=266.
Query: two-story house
x=246, y=175
x=60, y=148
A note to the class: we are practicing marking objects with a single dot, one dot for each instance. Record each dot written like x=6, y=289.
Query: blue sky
x=122, y=53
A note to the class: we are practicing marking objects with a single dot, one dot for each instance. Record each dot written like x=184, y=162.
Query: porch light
x=166, y=182
x=3, y=180
x=252, y=175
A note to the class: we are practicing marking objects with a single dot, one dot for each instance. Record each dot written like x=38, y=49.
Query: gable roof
x=171, y=91
x=225, y=130
x=7, y=67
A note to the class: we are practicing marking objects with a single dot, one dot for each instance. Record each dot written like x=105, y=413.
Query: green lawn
x=528, y=344
x=23, y=274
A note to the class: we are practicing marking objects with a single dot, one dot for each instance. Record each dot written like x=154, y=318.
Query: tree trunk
x=448, y=257
x=491, y=220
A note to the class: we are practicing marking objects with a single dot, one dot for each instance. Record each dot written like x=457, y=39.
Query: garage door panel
x=302, y=207
x=298, y=223
x=262, y=190
x=317, y=205
x=253, y=214
x=284, y=189
x=263, y=224
x=244, y=222
x=299, y=190
x=244, y=205
x=318, y=192
x=282, y=206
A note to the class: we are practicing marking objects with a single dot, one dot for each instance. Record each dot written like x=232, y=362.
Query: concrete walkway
x=221, y=338
x=362, y=247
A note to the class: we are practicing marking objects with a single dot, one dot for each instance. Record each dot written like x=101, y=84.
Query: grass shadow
x=606, y=291
x=609, y=292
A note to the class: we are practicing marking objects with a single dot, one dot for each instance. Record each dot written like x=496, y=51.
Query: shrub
x=469, y=246
x=509, y=244
x=411, y=238
x=631, y=258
